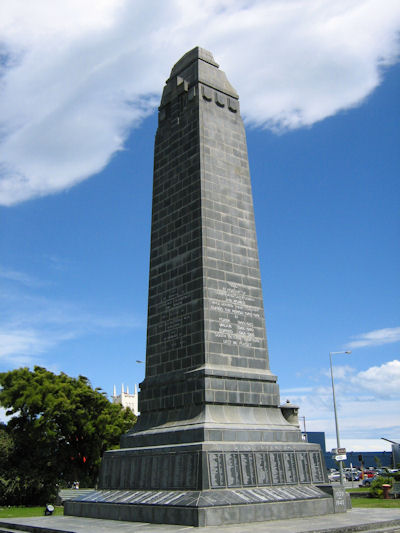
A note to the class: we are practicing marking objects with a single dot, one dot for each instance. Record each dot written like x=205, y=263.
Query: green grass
x=15, y=512
x=375, y=503
x=358, y=489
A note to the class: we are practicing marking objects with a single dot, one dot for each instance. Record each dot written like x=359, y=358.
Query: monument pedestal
x=209, y=483
x=227, y=474
x=212, y=444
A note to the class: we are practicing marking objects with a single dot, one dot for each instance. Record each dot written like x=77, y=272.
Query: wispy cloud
x=77, y=76
x=31, y=324
x=20, y=277
x=375, y=338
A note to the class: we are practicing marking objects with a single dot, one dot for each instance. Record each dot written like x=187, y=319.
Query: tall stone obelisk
x=212, y=444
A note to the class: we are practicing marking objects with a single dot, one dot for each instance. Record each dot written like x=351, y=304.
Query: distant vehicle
x=366, y=482
x=334, y=476
x=352, y=476
x=369, y=473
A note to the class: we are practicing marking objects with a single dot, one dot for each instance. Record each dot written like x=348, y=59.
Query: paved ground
x=382, y=520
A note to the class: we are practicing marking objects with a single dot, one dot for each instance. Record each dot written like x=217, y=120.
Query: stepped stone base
x=211, y=483
x=206, y=508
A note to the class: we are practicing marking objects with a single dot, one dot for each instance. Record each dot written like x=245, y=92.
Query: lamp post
x=336, y=418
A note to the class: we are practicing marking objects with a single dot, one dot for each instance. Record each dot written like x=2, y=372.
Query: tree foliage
x=59, y=428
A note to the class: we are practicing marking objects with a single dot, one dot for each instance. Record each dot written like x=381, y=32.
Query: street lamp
x=336, y=419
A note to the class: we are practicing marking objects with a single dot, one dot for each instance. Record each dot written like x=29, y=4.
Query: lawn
x=358, y=489
x=375, y=502
x=14, y=512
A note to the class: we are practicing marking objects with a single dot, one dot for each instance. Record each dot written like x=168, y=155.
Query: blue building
x=354, y=458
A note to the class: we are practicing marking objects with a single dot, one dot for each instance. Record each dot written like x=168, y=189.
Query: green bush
x=376, y=490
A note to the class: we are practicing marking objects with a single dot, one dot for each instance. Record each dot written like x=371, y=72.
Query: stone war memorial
x=212, y=444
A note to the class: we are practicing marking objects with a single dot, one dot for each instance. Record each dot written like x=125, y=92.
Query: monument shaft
x=205, y=313
x=212, y=445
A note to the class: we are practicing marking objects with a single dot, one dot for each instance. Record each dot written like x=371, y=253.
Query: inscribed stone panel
x=216, y=466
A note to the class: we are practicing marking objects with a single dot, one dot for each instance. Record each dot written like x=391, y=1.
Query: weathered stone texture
x=212, y=445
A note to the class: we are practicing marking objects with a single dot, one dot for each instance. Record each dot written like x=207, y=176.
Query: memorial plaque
x=276, y=462
x=248, y=471
x=262, y=468
x=116, y=473
x=164, y=472
x=217, y=470
x=144, y=470
x=133, y=472
x=233, y=470
x=125, y=471
x=316, y=467
x=303, y=467
x=154, y=471
x=190, y=470
x=178, y=470
x=289, y=461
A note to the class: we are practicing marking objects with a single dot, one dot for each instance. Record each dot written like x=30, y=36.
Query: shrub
x=376, y=490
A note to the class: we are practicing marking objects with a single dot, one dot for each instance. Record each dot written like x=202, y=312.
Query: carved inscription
x=178, y=470
x=289, y=461
x=174, y=317
x=233, y=470
x=262, y=468
x=190, y=470
x=164, y=473
x=248, y=472
x=303, y=466
x=339, y=497
x=316, y=467
x=277, y=468
x=217, y=470
x=145, y=466
x=237, y=315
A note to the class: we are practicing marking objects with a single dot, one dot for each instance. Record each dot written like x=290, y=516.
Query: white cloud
x=375, y=338
x=367, y=405
x=76, y=76
x=383, y=380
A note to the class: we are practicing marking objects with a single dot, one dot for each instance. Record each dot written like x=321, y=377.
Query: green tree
x=60, y=427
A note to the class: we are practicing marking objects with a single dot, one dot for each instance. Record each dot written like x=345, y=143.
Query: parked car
x=369, y=473
x=334, y=476
x=352, y=476
x=366, y=482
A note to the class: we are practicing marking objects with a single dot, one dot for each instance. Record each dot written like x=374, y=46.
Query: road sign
x=340, y=457
x=341, y=451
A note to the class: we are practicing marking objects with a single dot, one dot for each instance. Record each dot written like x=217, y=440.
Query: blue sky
x=322, y=112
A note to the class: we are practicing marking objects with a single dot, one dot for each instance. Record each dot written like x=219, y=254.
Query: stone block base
x=203, y=508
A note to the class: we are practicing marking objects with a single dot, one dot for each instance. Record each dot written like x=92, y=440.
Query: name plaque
x=190, y=469
x=233, y=470
x=145, y=465
x=289, y=461
x=217, y=470
x=303, y=467
x=248, y=472
x=165, y=473
x=155, y=470
x=277, y=473
x=262, y=468
x=132, y=472
x=316, y=467
x=178, y=470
